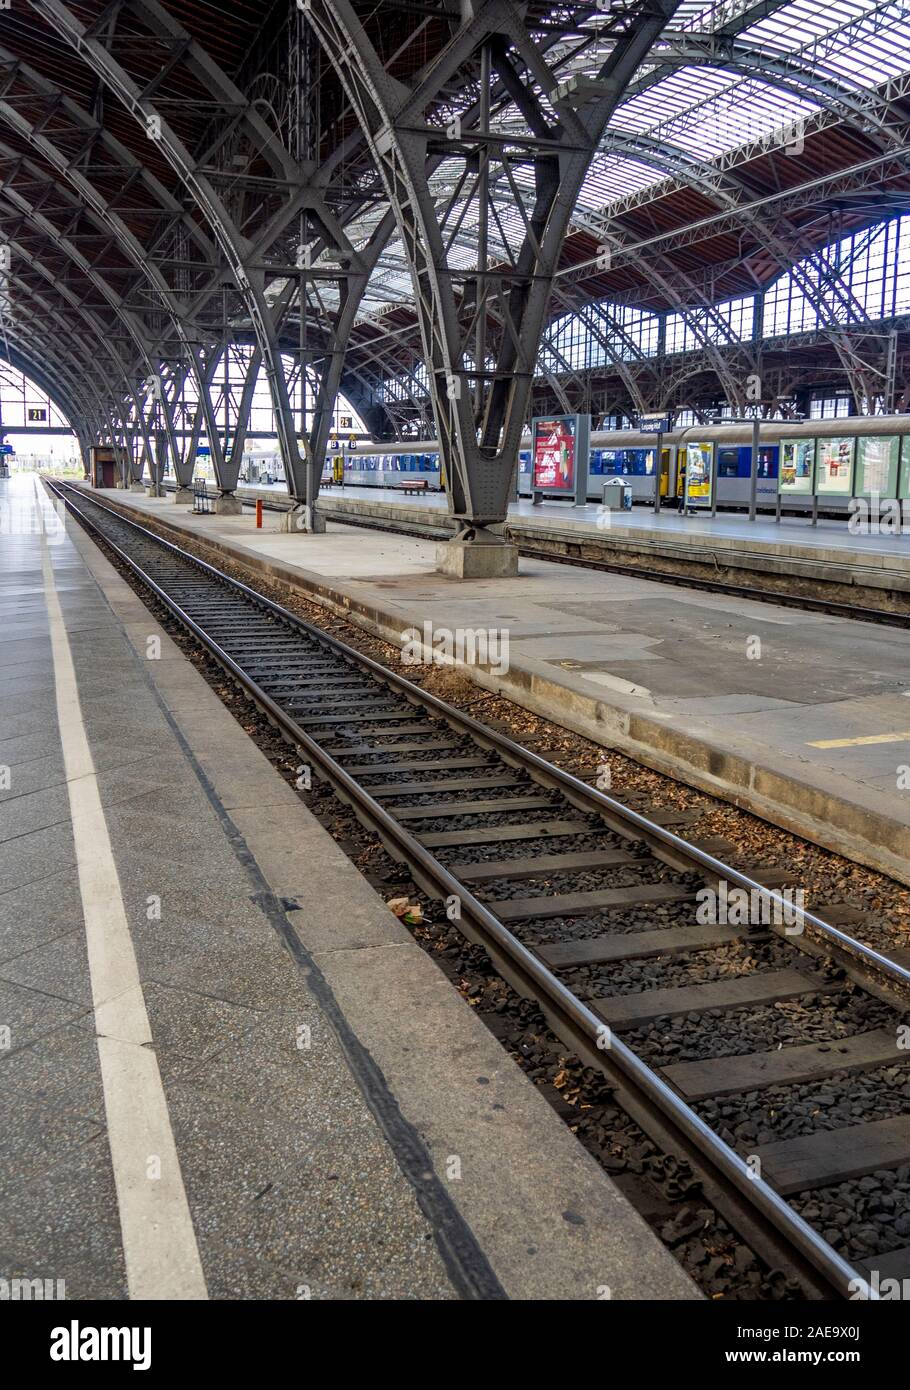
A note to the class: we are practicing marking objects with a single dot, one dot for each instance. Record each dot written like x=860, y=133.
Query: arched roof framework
x=187, y=186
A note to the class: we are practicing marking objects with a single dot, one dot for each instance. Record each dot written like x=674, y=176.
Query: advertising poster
x=698, y=474
x=877, y=465
x=835, y=466
x=797, y=465
x=554, y=453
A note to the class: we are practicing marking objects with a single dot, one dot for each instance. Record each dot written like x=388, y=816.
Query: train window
x=727, y=463
x=767, y=462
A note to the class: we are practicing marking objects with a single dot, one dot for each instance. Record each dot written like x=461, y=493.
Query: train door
x=665, y=472
x=680, y=472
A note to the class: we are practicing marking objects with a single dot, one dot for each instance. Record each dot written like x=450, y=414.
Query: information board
x=834, y=467
x=876, y=465
x=797, y=465
x=654, y=424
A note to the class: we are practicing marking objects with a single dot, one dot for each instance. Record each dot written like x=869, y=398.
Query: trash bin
x=613, y=493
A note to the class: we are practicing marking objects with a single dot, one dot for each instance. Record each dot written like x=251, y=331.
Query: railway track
x=577, y=897
x=806, y=602
x=832, y=608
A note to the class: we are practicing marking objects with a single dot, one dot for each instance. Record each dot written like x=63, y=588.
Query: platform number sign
x=37, y=414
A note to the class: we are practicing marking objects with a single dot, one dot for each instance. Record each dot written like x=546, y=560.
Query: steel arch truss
x=480, y=389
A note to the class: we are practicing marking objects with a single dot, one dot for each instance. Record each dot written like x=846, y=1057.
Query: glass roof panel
x=702, y=111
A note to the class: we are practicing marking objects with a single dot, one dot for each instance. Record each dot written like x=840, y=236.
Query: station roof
x=756, y=131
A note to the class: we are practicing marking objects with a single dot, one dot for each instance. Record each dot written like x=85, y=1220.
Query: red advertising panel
x=554, y=453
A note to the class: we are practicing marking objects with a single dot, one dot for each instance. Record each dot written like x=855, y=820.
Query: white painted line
x=159, y=1243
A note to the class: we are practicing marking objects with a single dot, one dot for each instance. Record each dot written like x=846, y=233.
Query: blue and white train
x=825, y=463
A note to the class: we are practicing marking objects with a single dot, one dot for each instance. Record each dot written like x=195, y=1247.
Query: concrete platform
x=229, y=1071
x=823, y=555
x=798, y=717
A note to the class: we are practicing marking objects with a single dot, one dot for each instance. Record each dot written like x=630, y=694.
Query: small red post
x=259, y=512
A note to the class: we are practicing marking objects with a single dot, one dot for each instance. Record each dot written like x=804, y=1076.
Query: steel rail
x=832, y=608
x=528, y=973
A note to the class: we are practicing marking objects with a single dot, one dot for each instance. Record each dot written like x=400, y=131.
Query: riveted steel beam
x=480, y=429
x=234, y=247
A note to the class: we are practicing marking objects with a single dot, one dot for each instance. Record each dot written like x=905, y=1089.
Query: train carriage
x=806, y=462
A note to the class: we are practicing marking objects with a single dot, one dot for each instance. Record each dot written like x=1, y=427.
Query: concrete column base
x=477, y=559
x=155, y=490
x=183, y=496
x=137, y=487
x=303, y=520
x=228, y=505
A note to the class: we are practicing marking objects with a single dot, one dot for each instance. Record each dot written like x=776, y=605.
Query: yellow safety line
x=867, y=738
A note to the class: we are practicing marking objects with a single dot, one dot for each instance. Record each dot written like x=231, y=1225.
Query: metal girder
x=92, y=360
x=479, y=442
x=873, y=111
x=724, y=189
x=135, y=329
x=787, y=361
x=104, y=345
x=303, y=187
x=588, y=314
x=241, y=424
x=233, y=245
x=42, y=321
x=86, y=201
x=252, y=219
x=338, y=333
x=44, y=136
